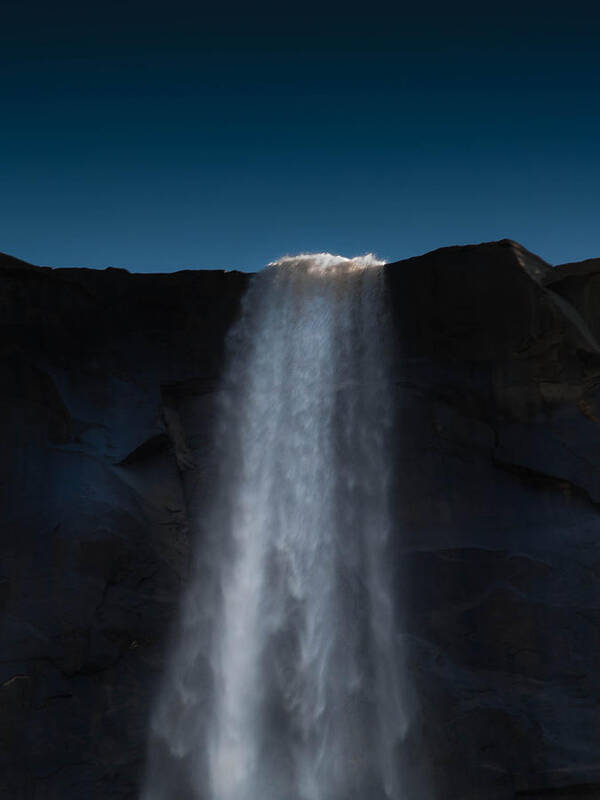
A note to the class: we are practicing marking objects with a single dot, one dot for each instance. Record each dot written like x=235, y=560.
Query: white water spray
x=285, y=684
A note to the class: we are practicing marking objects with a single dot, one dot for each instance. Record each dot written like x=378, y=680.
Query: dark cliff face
x=95, y=532
x=498, y=547
x=108, y=401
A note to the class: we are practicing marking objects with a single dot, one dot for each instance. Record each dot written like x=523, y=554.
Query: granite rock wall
x=109, y=382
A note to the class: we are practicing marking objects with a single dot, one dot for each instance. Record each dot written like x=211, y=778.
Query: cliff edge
x=109, y=385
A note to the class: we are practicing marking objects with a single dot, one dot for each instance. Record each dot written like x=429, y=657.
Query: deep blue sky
x=157, y=136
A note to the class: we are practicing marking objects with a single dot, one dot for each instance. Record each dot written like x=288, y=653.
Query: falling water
x=284, y=683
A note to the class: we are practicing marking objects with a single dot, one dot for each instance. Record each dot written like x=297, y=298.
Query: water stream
x=285, y=682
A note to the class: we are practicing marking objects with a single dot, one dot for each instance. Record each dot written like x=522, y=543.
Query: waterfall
x=284, y=682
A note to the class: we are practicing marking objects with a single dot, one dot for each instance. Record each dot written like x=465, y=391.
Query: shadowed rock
x=109, y=381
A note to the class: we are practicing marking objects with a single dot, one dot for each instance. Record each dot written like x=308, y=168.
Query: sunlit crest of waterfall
x=284, y=682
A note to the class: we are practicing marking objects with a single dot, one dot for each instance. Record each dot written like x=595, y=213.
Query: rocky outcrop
x=498, y=530
x=109, y=384
x=95, y=531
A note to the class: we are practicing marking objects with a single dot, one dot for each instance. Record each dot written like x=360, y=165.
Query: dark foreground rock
x=108, y=384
